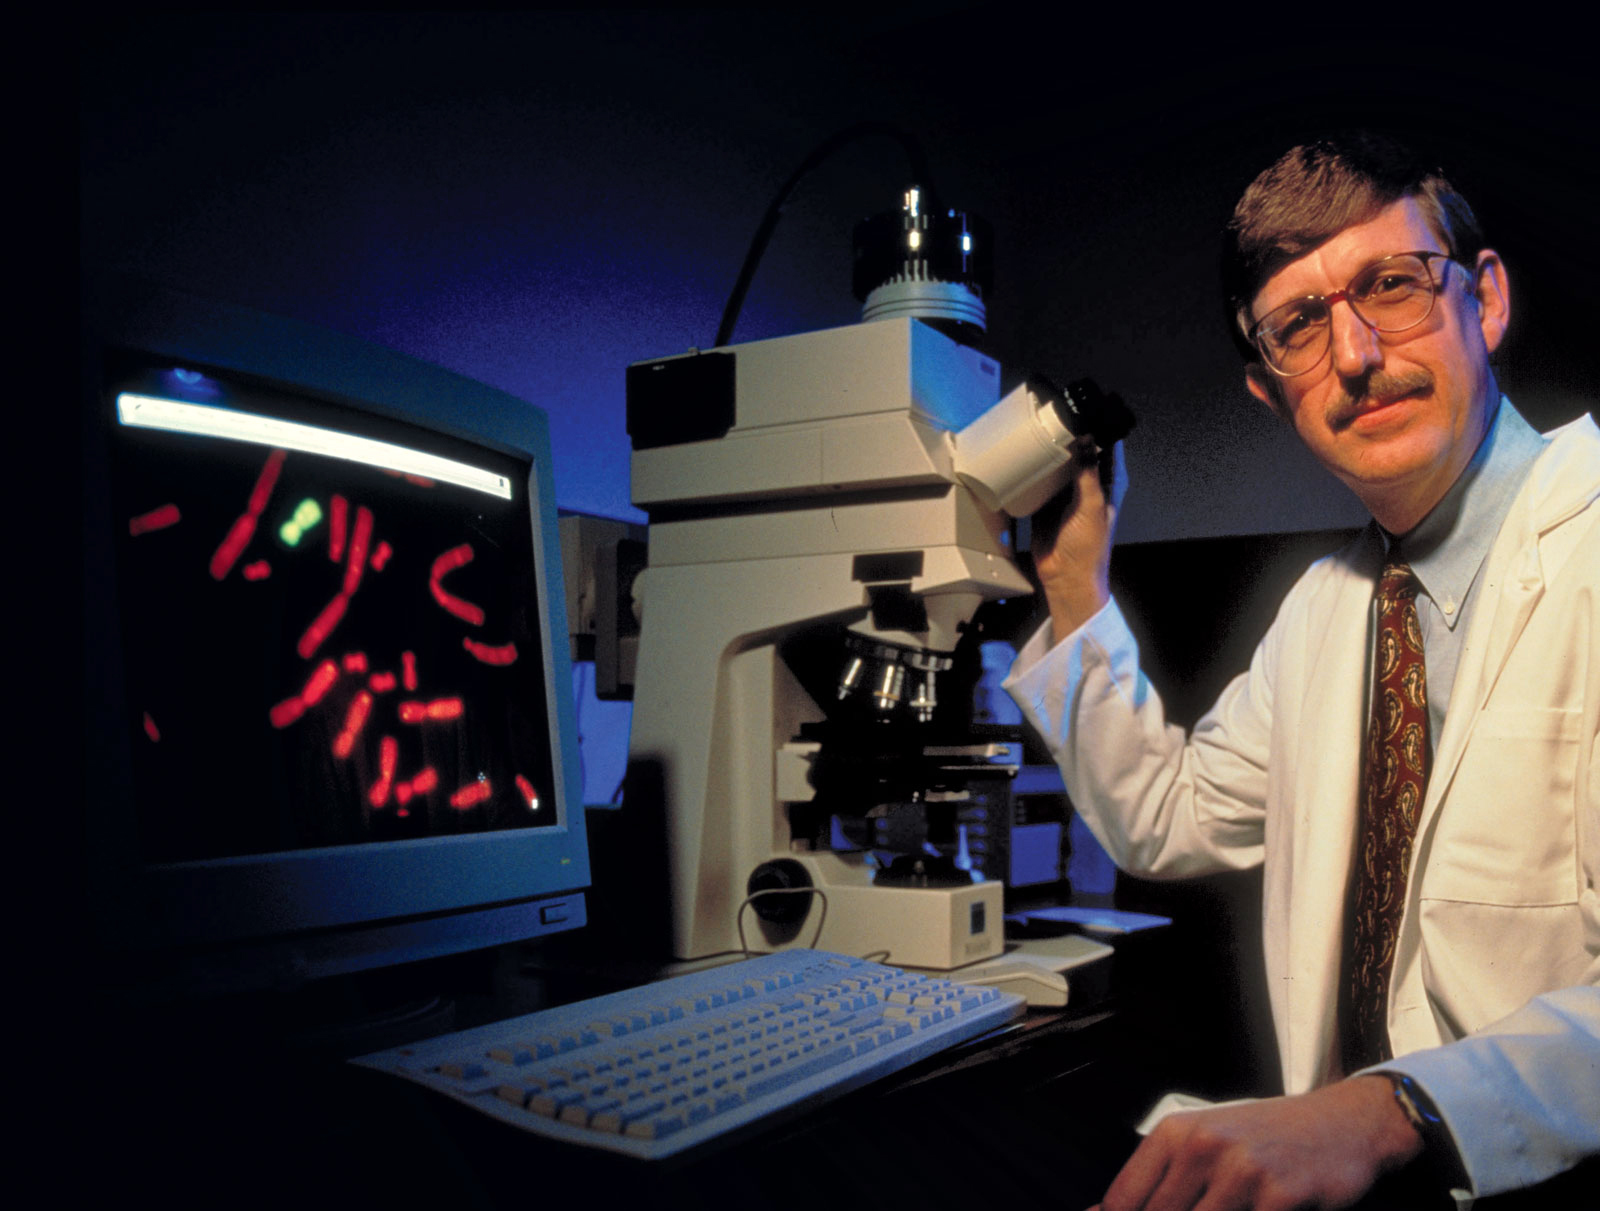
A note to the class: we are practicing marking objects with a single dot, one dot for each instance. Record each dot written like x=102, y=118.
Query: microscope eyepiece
x=1088, y=411
x=1021, y=452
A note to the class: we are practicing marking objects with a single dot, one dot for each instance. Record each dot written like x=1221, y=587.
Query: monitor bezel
x=315, y=911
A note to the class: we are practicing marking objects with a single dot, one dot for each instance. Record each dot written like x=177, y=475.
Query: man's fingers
x=1086, y=492
x=1046, y=523
x=1140, y=1177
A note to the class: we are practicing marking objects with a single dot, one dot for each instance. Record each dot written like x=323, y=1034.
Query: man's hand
x=1323, y=1150
x=1072, y=542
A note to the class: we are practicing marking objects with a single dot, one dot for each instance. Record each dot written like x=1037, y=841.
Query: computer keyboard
x=668, y=1066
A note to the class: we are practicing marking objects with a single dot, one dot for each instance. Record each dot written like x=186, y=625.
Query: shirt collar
x=1448, y=546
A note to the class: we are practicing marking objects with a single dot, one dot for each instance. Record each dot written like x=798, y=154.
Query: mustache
x=1377, y=388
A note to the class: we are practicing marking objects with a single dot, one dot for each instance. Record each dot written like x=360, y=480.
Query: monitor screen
x=328, y=650
x=336, y=644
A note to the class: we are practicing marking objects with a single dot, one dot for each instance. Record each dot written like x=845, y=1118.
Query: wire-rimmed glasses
x=1390, y=295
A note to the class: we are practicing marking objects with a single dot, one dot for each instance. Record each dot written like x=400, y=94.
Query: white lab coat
x=1502, y=905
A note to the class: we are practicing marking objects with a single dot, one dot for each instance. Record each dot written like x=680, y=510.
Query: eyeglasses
x=1390, y=295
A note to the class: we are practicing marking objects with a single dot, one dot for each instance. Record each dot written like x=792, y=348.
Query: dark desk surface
x=198, y=1113
x=992, y=1122
x=210, y=1108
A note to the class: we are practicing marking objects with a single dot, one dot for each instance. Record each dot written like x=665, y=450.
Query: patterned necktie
x=1394, y=779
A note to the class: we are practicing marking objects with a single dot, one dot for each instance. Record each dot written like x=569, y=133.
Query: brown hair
x=1313, y=192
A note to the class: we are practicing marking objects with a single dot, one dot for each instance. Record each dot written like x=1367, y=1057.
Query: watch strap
x=1439, y=1152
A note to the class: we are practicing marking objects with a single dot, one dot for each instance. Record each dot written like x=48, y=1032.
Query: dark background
x=537, y=199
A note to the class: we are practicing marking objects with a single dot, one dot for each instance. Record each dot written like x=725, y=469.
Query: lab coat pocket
x=1506, y=832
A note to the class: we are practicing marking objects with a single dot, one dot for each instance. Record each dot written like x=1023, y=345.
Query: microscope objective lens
x=851, y=677
x=891, y=686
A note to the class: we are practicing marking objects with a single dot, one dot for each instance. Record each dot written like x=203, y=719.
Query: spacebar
x=790, y=1073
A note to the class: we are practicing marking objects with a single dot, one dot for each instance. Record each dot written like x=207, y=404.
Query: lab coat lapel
x=1514, y=579
x=1513, y=583
x=1329, y=760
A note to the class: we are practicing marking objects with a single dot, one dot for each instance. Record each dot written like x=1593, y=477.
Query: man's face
x=1395, y=416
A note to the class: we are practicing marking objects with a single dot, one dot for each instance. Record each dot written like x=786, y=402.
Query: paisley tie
x=1394, y=779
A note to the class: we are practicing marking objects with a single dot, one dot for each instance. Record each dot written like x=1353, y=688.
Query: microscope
x=828, y=511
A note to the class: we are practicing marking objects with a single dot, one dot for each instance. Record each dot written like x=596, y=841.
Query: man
x=1431, y=914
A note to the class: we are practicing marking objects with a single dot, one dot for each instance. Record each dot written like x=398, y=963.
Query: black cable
x=738, y=917
x=769, y=221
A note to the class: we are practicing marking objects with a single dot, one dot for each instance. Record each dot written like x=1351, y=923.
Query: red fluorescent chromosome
x=388, y=757
x=408, y=666
x=452, y=559
x=471, y=794
x=244, y=526
x=530, y=795
x=338, y=519
x=156, y=519
x=413, y=711
x=506, y=653
x=287, y=711
x=265, y=482
x=227, y=554
x=358, y=550
x=381, y=683
x=151, y=730
x=259, y=570
x=354, y=662
x=455, y=557
x=381, y=556
x=333, y=613
x=465, y=610
x=319, y=683
x=418, y=480
x=354, y=720
x=321, y=626
x=420, y=785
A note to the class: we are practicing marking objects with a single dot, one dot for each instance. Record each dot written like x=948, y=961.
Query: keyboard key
x=658, y=1126
x=798, y=1070
x=553, y=1101
x=517, y=1094
x=513, y=1053
x=625, y=1116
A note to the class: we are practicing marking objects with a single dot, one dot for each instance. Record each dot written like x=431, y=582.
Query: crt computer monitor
x=330, y=715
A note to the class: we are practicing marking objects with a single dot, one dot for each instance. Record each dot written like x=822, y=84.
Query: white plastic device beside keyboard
x=664, y=1067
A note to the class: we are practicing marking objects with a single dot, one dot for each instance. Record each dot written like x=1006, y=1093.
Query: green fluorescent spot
x=306, y=514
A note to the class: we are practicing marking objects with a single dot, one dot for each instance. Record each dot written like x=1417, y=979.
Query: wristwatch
x=1439, y=1152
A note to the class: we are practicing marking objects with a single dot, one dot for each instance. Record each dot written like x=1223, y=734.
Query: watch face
x=1414, y=1102
x=1439, y=1154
